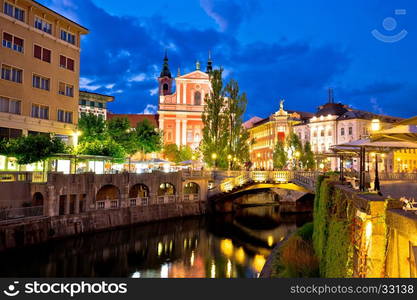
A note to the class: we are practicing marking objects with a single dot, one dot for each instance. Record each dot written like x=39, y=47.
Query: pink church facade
x=180, y=111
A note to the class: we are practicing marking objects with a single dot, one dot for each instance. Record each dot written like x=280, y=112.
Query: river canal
x=223, y=246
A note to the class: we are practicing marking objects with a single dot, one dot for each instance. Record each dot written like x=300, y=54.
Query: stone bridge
x=62, y=194
x=289, y=188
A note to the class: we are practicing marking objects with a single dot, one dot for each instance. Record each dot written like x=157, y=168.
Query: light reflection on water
x=226, y=246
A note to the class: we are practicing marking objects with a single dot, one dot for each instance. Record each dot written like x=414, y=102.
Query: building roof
x=61, y=16
x=103, y=97
x=135, y=118
x=249, y=123
x=330, y=108
x=365, y=115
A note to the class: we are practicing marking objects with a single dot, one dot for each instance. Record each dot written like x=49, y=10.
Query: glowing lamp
x=375, y=125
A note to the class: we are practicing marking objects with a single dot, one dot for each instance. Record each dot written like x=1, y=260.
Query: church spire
x=165, y=69
x=209, y=63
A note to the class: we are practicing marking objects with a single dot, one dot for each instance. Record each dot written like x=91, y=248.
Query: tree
x=107, y=147
x=308, y=157
x=92, y=128
x=185, y=153
x=171, y=152
x=215, y=131
x=33, y=148
x=119, y=130
x=149, y=138
x=280, y=156
x=235, y=107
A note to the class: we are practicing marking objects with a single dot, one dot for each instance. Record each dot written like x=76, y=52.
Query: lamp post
x=377, y=186
x=229, y=159
x=214, y=158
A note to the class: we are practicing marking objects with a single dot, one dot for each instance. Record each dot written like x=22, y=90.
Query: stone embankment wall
x=363, y=235
x=35, y=231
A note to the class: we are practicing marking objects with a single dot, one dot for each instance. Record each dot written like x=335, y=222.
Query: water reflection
x=227, y=246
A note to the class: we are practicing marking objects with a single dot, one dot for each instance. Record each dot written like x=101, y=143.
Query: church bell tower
x=165, y=79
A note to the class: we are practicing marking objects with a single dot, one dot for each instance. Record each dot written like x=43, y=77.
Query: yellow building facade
x=40, y=67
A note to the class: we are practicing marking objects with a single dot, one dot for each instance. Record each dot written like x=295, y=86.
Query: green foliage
x=235, y=107
x=215, y=123
x=307, y=157
x=306, y=231
x=280, y=156
x=107, y=147
x=171, y=152
x=331, y=236
x=92, y=128
x=119, y=131
x=33, y=148
x=223, y=133
x=148, y=137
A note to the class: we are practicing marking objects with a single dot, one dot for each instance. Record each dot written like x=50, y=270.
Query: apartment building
x=94, y=103
x=40, y=66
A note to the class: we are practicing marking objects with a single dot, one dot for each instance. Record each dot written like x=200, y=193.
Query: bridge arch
x=139, y=190
x=166, y=189
x=191, y=188
x=108, y=192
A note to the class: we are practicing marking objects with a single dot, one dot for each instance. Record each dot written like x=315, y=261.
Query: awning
x=383, y=146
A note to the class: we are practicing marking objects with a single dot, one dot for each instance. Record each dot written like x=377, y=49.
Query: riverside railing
x=11, y=176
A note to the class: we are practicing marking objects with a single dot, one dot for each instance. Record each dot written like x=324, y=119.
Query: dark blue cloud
x=122, y=55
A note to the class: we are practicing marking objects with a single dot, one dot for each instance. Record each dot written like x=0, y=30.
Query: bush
x=297, y=259
x=306, y=231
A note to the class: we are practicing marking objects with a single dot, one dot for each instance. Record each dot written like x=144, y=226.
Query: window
x=9, y=133
x=342, y=131
x=14, y=12
x=322, y=132
x=42, y=53
x=197, y=98
x=67, y=63
x=10, y=106
x=11, y=74
x=165, y=87
x=43, y=25
x=350, y=130
x=83, y=102
x=40, y=112
x=12, y=42
x=66, y=89
x=40, y=82
x=68, y=37
x=100, y=105
x=64, y=116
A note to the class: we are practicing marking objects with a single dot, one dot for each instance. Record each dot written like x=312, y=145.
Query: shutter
x=7, y=37
x=47, y=55
x=63, y=61
x=70, y=65
x=38, y=52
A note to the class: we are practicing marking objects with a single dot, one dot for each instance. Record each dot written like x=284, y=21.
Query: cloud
x=229, y=14
x=375, y=106
x=150, y=109
x=154, y=91
x=138, y=78
x=86, y=84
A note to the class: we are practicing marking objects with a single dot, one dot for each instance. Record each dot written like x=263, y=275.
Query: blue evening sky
x=293, y=50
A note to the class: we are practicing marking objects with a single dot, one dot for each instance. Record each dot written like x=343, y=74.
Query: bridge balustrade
x=107, y=204
x=140, y=201
x=191, y=197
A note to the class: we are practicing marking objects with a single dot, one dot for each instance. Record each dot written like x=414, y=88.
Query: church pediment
x=195, y=75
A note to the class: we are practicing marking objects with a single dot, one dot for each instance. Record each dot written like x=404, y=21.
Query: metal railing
x=20, y=213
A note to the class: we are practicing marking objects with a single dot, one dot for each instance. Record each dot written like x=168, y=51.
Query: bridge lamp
x=214, y=156
x=229, y=157
x=297, y=154
x=235, y=158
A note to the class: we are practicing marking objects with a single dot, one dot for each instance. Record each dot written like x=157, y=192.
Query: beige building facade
x=40, y=67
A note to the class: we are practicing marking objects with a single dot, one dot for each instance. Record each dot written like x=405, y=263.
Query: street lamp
x=214, y=158
x=229, y=158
